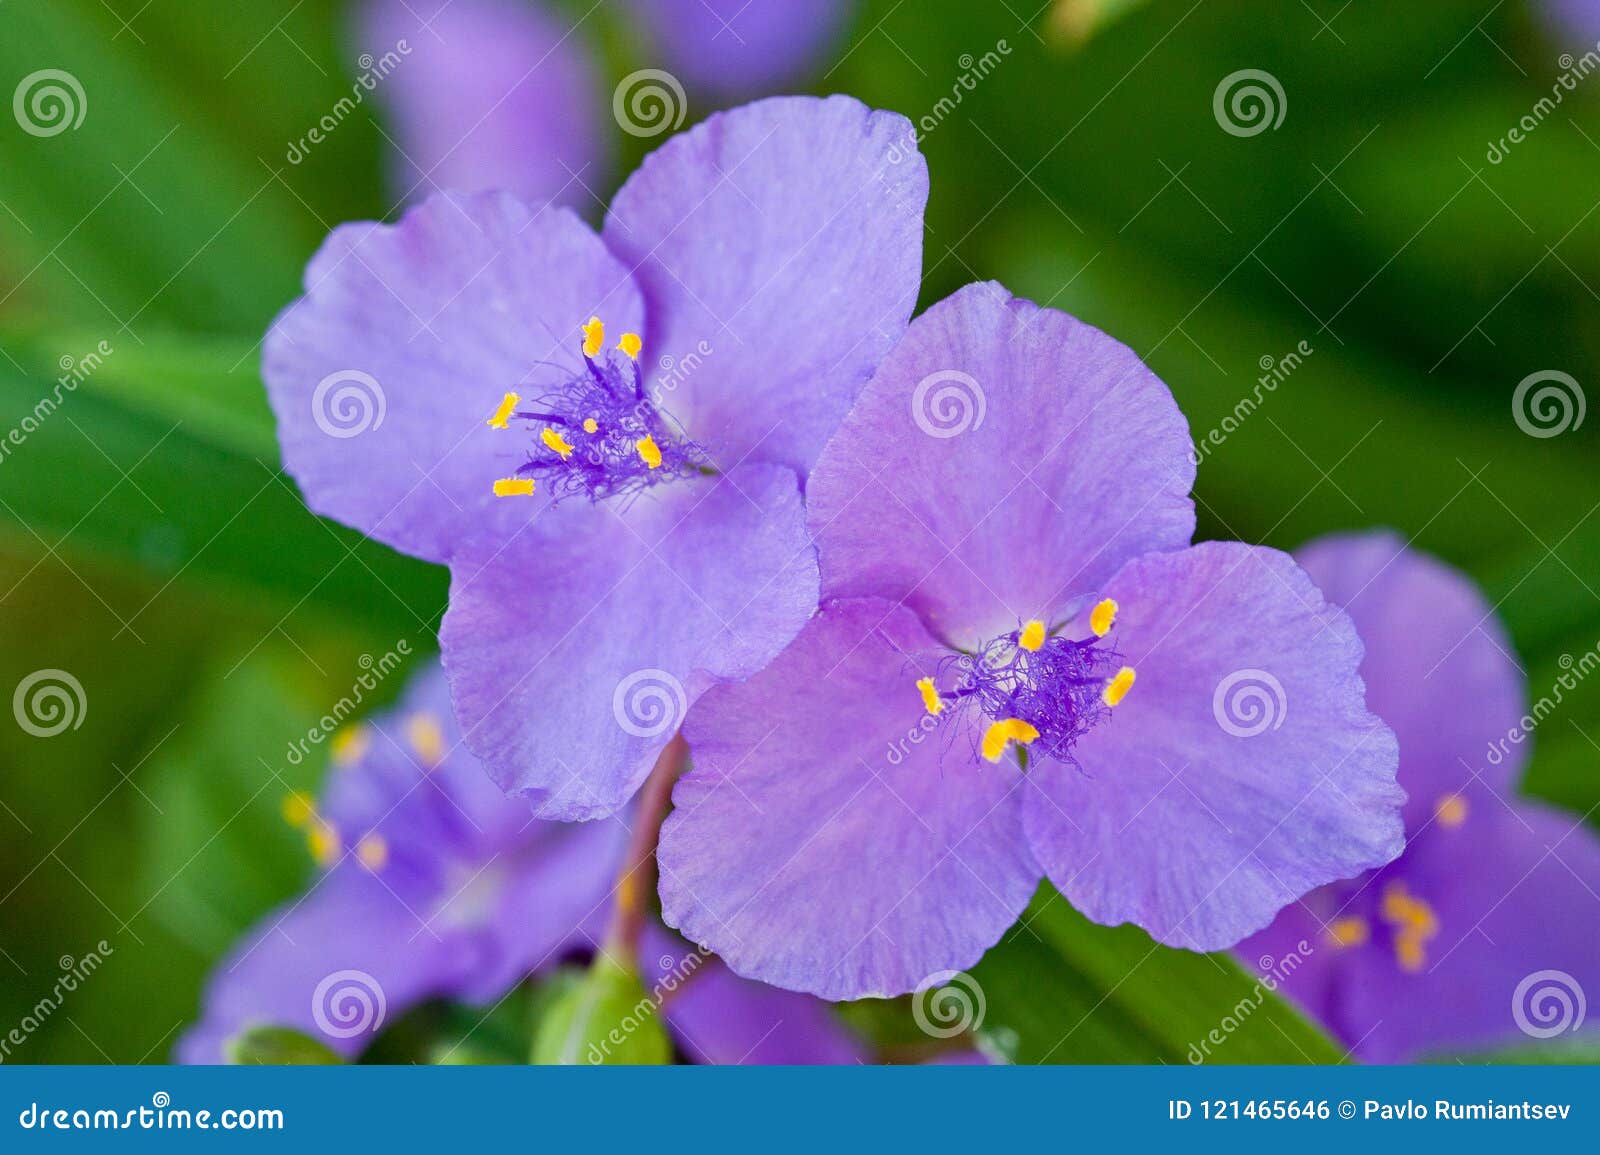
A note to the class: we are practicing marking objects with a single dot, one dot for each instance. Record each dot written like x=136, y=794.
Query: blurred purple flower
x=437, y=886
x=1485, y=924
x=733, y=48
x=621, y=515
x=1003, y=524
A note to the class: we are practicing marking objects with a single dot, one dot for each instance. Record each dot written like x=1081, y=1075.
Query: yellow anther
x=503, y=414
x=1117, y=688
x=1451, y=810
x=594, y=337
x=590, y=425
x=554, y=442
x=930, y=696
x=349, y=745
x=630, y=344
x=649, y=452
x=1003, y=731
x=297, y=808
x=426, y=738
x=373, y=851
x=1101, y=617
x=323, y=841
x=513, y=487
x=1032, y=636
x=1414, y=924
x=1351, y=931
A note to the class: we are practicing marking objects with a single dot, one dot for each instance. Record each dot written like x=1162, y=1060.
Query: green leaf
x=604, y=1017
x=1061, y=989
x=277, y=1047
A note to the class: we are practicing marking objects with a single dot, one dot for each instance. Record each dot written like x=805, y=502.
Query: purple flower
x=1485, y=924
x=733, y=48
x=1021, y=666
x=437, y=886
x=605, y=436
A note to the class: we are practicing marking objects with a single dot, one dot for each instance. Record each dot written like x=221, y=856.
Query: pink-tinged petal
x=779, y=246
x=1241, y=771
x=486, y=94
x=384, y=375
x=575, y=648
x=1439, y=668
x=828, y=837
x=1004, y=460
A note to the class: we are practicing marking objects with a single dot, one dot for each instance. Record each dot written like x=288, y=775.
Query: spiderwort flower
x=1021, y=666
x=435, y=885
x=473, y=386
x=1484, y=924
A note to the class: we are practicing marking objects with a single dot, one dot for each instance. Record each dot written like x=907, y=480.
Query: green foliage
x=603, y=1016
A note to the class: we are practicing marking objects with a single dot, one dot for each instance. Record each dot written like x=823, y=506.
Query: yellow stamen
x=513, y=487
x=503, y=414
x=349, y=745
x=930, y=696
x=373, y=851
x=323, y=841
x=297, y=808
x=1414, y=923
x=1117, y=688
x=590, y=425
x=1003, y=731
x=1101, y=617
x=1349, y=931
x=554, y=442
x=649, y=452
x=426, y=738
x=1451, y=810
x=1032, y=636
x=630, y=344
x=594, y=337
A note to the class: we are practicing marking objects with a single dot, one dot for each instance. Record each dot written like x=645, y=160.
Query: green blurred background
x=151, y=546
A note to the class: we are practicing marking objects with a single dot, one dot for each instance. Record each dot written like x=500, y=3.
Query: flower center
x=1034, y=686
x=598, y=433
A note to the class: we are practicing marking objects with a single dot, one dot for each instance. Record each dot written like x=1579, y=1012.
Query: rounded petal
x=1241, y=771
x=383, y=376
x=718, y=1017
x=779, y=246
x=575, y=648
x=1004, y=460
x=485, y=94
x=733, y=47
x=1439, y=667
x=829, y=837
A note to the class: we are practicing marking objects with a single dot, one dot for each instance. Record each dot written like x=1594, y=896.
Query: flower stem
x=638, y=875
